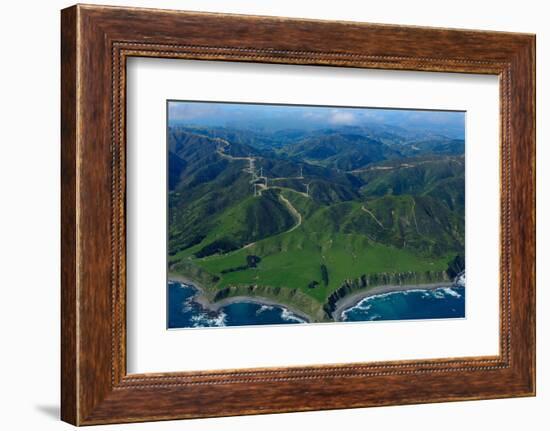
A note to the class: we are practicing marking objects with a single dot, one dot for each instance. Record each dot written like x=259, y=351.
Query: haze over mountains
x=273, y=118
x=306, y=199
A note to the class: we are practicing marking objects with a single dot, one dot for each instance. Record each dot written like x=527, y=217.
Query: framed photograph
x=313, y=218
x=266, y=215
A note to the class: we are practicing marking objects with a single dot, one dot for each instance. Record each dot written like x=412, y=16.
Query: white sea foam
x=181, y=284
x=263, y=308
x=221, y=319
x=395, y=292
x=187, y=305
x=289, y=317
x=202, y=320
x=438, y=294
x=451, y=292
x=363, y=305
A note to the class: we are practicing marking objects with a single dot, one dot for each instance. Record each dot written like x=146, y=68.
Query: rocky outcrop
x=456, y=266
x=367, y=281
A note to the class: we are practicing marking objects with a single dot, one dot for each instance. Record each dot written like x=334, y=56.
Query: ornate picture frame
x=96, y=42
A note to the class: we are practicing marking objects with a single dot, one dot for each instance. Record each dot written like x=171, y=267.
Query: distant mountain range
x=272, y=119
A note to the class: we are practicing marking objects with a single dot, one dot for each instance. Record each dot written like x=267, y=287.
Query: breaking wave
x=264, y=308
x=452, y=292
x=206, y=320
x=291, y=317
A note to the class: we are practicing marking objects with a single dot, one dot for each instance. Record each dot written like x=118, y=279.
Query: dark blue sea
x=441, y=303
x=185, y=312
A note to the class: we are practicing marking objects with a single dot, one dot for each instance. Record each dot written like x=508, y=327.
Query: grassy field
x=296, y=268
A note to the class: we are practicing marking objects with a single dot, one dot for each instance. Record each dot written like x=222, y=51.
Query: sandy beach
x=352, y=300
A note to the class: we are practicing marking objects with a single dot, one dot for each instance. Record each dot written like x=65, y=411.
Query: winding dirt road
x=293, y=211
x=369, y=212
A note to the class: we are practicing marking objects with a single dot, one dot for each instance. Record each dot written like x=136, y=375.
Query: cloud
x=342, y=117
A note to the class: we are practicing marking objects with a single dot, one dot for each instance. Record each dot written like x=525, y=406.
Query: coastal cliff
x=309, y=307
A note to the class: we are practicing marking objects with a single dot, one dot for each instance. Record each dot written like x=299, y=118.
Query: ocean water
x=185, y=312
x=441, y=303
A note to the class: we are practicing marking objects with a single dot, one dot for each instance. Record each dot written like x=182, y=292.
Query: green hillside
x=295, y=216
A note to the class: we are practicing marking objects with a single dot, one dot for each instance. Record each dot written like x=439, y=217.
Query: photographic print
x=296, y=214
